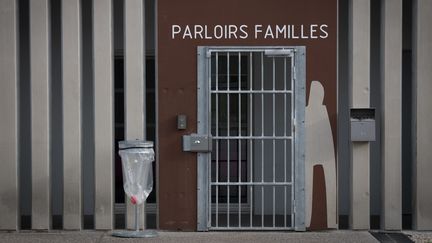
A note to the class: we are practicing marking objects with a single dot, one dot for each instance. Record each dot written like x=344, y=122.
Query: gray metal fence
x=42, y=102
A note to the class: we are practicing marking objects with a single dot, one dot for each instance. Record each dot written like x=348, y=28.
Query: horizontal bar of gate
x=251, y=183
x=251, y=91
x=223, y=208
x=269, y=228
x=249, y=49
x=252, y=137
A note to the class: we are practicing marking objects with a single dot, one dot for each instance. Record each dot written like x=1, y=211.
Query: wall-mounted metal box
x=362, y=124
x=197, y=143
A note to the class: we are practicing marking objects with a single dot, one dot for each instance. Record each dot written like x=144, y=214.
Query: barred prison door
x=251, y=102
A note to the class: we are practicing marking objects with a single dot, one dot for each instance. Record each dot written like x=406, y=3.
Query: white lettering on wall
x=243, y=30
x=175, y=29
x=324, y=31
x=281, y=31
x=269, y=33
x=313, y=31
x=258, y=31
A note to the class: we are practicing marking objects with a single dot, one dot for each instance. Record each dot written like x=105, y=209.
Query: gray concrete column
x=9, y=116
x=104, y=113
x=134, y=84
x=359, y=78
x=391, y=123
x=71, y=70
x=422, y=123
x=40, y=80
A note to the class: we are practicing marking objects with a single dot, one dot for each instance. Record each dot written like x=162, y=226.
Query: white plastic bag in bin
x=137, y=157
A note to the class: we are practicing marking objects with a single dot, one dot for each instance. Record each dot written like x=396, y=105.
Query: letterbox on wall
x=362, y=124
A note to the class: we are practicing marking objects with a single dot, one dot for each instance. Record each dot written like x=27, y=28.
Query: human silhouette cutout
x=319, y=151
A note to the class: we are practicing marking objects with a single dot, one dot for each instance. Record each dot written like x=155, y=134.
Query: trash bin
x=137, y=158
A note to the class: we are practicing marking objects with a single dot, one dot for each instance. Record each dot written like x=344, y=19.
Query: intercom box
x=363, y=125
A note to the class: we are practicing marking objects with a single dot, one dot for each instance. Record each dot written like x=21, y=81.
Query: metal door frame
x=203, y=123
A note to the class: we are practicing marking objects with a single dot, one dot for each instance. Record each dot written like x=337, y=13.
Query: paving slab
x=190, y=237
x=52, y=236
x=419, y=236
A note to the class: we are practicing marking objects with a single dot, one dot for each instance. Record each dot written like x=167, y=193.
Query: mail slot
x=197, y=143
x=362, y=124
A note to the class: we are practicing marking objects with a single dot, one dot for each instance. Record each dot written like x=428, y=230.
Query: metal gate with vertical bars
x=251, y=101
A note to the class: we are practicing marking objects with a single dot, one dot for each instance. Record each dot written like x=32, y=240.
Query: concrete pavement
x=189, y=237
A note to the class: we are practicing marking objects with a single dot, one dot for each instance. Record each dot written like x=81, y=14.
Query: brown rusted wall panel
x=177, y=79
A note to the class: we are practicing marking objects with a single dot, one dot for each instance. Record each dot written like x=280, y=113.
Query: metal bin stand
x=137, y=158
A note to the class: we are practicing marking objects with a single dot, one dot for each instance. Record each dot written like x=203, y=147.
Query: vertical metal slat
x=239, y=140
x=134, y=85
x=217, y=141
x=359, y=73
x=285, y=143
x=208, y=131
x=228, y=141
x=262, y=141
x=273, y=140
x=299, y=179
x=40, y=113
x=293, y=141
x=9, y=211
x=422, y=134
x=104, y=116
x=71, y=71
x=391, y=127
x=250, y=135
x=204, y=159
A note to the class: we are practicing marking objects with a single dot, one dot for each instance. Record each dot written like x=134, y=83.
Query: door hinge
x=294, y=207
x=208, y=54
x=279, y=52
